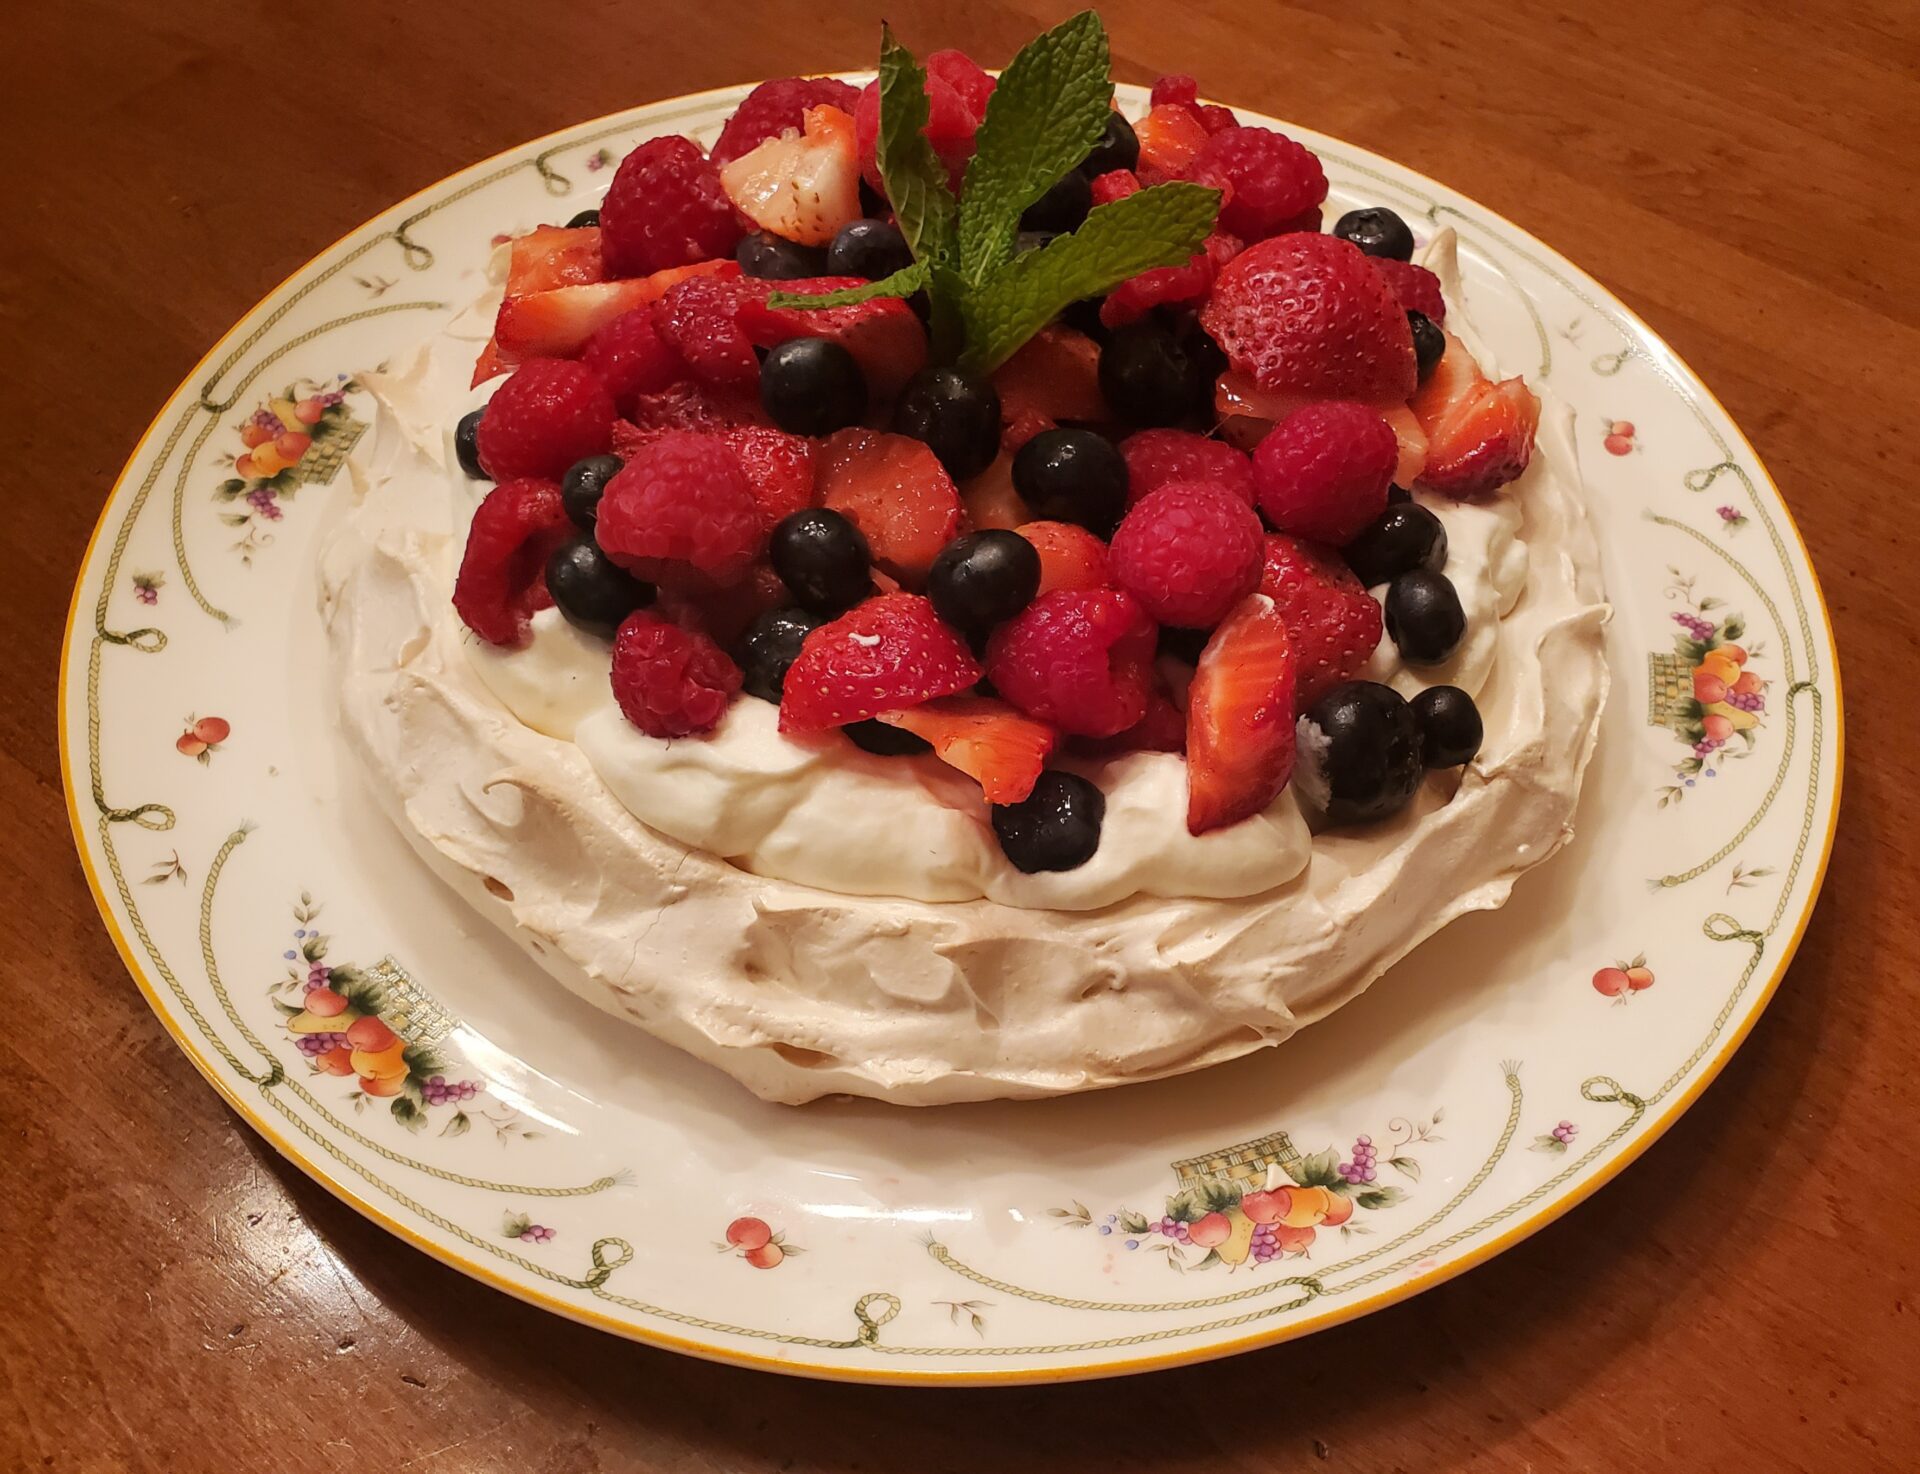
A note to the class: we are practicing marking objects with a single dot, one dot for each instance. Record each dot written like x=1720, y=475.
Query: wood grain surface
x=175, y=1298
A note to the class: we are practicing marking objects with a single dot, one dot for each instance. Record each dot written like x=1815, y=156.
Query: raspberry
x=682, y=505
x=1079, y=658
x=1135, y=297
x=669, y=681
x=684, y=406
x=699, y=319
x=965, y=75
x=950, y=128
x=1214, y=118
x=888, y=653
x=1116, y=184
x=773, y=107
x=665, y=208
x=1175, y=87
x=503, y=579
x=1189, y=551
x=778, y=467
x=1155, y=457
x=1332, y=622
x=1417, y=288
x=549, y=414
x=631, y=357
x=1324, y=470
x=1269, y=179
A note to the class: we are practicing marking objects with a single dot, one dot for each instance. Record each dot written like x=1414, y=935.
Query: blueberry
x=1152, y=374
x=812, y=386
x=1118, y=148
x=1450, y=729
x=868, y=248
x=1062, y=207
x=955, y=413
x=1429, y=343
x=773, y=259
x=1377, y=231
x=1056, y=827
x=823, y=559
x=584, y=219
x=872, y=202
x=1084, y=316
x=983, y=578
x=1397, y=495
x=466, y=445
x=884, y=741
x=1073, y=476
x=770, y=645
x=1404, y=537
x=583, y=486
x=1424, y=616
x=591, y=590
x=1359, y=753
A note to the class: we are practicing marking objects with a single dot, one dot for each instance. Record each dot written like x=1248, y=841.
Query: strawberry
x=1309, y=313
x=557, y=322
x=803, y=186
x=951, y=124
x=1413, y=443
x=1332, y=620
x=883, y=335
x=1171, y=136
x=985, y=739
x=897, y=493
x=778, y=466
x=1479, y=433
x=1070, y=556
x=552, y=256
x=886, y=654
x=774, y=107
x=990, y=499
x=1055, y=374
x=1240, y=718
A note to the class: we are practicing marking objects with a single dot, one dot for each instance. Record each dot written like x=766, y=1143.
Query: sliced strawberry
x=779, y=469
x=800, y=185
x=559, y=321
x=1170, y=137
x=1332, y=621
x=1022, y=425
x=1413, y=443
x=886, y=654
x=896, y=492
x=490, y=364
x=990, y=500
x=1240, y=718
x=551, y=256
x=985, y=739
x=1055, y=374
x=1070, y=556
x=883, y=335
x=1479, y=434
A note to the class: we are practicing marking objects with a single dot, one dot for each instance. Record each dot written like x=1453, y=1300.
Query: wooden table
x=176, y=1298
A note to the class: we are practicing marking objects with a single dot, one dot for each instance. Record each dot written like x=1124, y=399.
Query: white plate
x=982, y=1243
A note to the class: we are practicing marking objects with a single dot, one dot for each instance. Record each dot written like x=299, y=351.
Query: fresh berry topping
x=1189, y=551
x=1215, y=118
x=502, y=572
x=1174, y=87
x=1154, y=373
x=1424, y=617
x=584, y=484
x=870, y=249
x=682, y=505
x=987, y=740
x=1333, y=622
x=699, y=319
x=812, y=386
x=687, y=405
x=670, y=681
x=1073, y=476
x=1170, y=136
x=560, y=323
x=1269, y=180
x=1413, y=448
x=583, y=219
x=1310, y=313
x=1155, y=457
x=887, y=654
x=1118, y=148
x=769, y=648
x=1062, y=207
x=981, y=579
x=1403, y=537
x=1479, y=434
x=778, y=467
x=893, y=489
x=1359, y=749
x=766, y=257
x=1055, y=827
x=1450, y=727
x=884, y=336
x=1429, y=343
x=1115, y=184
x=723, y=613
x=1240, y=717
x=1324, y=470
x=951, y=124
x=822, y=558
x=1377, y=231
x=591, y=590
x=774, y=107
x=1162, y=729
x=989, y=499
x=1079, y=659
x=466, y=445
x=878, y=738
x=964, y=75
x=802, y=186
x=548, y=415
x=549, y=256
x=1169, y=286
x=1070, y=556
x=1055, y=375
x=631, y=357
x=665, y=208
x=1415, y=288
x=954, y=412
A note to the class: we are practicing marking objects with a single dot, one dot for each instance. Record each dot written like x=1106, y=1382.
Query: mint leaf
x=1162, y=226
x=911, y=172
x=903, y=283
x=1044, y=117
